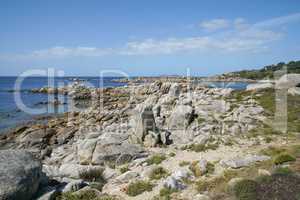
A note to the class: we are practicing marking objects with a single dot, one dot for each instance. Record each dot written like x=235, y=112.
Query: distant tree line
x=267, y=71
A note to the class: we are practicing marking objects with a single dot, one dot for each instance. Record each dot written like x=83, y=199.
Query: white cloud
x=215, y=24
x=239, y=36
x=278, y=21
x=64, y=52
x=240, y=24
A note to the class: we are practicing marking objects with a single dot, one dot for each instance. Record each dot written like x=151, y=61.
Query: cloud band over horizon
x=220, y=35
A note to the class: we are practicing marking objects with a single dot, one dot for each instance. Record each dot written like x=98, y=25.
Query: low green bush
x=156, y=159
x=85, y=195
x=202, y=147
x=165, y=194
x=92, y=175
x=172, y=154
x=158, y=173
x=245, y=190
x=184, y=163
x=283, y=171
x=138, y=187
x=124, y=169
x=282, y=158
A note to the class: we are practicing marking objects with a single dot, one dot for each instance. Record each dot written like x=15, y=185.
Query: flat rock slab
x=245, y=161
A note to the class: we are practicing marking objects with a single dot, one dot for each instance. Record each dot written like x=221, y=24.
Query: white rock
x=181, y=117
x=127, y=176
x=174, y=90
x=245, y=161
x=85, y=150
x=172, y=183
x=180, y=174
x=259, y=86
x=294, y=91
x=288, y=81
x=263, y=172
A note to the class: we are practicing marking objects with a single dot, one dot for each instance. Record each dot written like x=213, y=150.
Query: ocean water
x=11, y=114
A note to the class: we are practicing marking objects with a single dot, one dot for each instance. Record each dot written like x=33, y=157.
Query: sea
x=12, y=114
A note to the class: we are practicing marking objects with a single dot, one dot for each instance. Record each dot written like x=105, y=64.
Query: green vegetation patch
x=267, y=99
x=184, y=163
x=246, y=189
x=267, y=71
x=124, y=169
x=85, y=195
x=165, y=194
x=158, y=173
x=138, y=187
x=282, y=158
x=92, y=175
x=156, y=159
x=172, y=154
x=283, y=171
x=202, y=147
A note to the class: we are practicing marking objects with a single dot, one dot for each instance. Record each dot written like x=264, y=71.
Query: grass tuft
x=124, y=169
x=156, y=159
x=138, y=187
x=165, y=194
x=245, y=190
x=282, y=158
x=184, y=163
x=92, y=175
x=158, y=173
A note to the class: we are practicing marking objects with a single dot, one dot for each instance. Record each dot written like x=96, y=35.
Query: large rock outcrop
x=181, y=117
x=259, y=86
x=288, y=81
x=20, y=175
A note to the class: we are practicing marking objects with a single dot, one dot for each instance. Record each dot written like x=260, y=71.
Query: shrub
x=273, y=151
x=155, y=159
x=92, y=175
x=107, y=197
x=210, y=168
x=165, y=193
x=172, y=154
x=283, y=171
x=264, y=179
x=202, y=147
x=245, y=190
x=84, y=195
x=158, y=173
x=184, y=163
x=97, y=185
x=216, y=183
x=268, y=139
x=195, y=169
x=138, y=187
x=282, y=158
x=229, y=142
x=201, y=186
x=200, y=120
x=124, y=169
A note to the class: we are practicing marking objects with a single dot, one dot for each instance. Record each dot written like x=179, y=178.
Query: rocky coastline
x=158, y=139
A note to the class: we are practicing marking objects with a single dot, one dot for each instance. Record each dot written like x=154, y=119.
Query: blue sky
x=147, y=37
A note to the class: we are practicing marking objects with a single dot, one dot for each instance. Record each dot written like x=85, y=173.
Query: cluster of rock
x=76, y=90
x=122, y=126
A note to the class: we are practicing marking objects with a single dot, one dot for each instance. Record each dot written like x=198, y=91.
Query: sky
x=139, y=37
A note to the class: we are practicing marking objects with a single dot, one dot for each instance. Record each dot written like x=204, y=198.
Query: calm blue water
x=11, y=115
